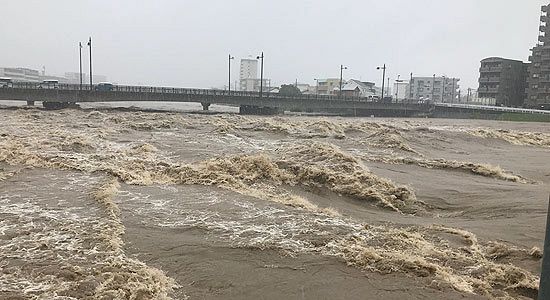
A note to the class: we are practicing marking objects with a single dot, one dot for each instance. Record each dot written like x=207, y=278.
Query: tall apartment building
x=437, y=89
x=538, y=82
x=504, y=80
x=248, y=74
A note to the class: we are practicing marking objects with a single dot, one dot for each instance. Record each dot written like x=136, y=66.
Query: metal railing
x=205, y=92
x=495, y=108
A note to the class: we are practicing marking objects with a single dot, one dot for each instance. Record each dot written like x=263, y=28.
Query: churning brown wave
x=307, y=153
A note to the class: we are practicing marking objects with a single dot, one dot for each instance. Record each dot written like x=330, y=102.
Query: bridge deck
x=72, y=93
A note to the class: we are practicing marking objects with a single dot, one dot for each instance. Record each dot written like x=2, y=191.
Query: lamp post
x=411, y=87
x=397, y=87
x=342, y=68
x=261, y=73
x=383, y=78
x=443, y=81
x=90, y=45
x=316, y=86
x=229, y=73
x=80, y=62
x=433, y=87
x=453, y=93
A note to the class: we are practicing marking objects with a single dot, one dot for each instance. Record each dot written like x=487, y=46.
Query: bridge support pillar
x=205, y=105
x=257, y=110
x=55, y=105
x=30, y=103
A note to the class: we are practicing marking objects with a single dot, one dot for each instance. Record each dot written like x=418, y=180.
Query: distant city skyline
x=175, y=43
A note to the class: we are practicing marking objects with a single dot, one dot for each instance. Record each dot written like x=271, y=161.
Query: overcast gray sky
x=186, y=43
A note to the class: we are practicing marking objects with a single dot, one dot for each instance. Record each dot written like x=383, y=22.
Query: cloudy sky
x=185, y=43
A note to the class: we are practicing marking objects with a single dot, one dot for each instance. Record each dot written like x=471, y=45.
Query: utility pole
x=411, y=87
x=453, y=92
x=397, y=87
x=388, y=87
x=383, y=78
x=433, y=87
x=90, y=45
x=261, y=73
x=80, y=62
x=316, y=86
x=443, y=82
x=342, y=68
x=468, y=95
x=229, y=74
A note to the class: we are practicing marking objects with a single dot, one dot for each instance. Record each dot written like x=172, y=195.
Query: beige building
x=327, y=86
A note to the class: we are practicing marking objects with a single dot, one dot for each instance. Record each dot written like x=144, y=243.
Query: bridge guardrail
x=494, y=108
x=209, y=92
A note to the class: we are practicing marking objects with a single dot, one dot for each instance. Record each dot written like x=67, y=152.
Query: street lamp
x=410, y=87
x=397, y=87
x=443, y=81
x=316, y=86
x=383, y=78
x=80, y=62
x=433, y=87
x=261, y=73
x=342, y=68
x=453, y=92
x=229, y=82
x=90, y=45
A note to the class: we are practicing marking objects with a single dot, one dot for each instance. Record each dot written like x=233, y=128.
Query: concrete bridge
x=62, y=95
x=248, y=102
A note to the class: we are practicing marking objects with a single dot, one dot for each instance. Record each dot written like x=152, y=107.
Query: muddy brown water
x=108, y=204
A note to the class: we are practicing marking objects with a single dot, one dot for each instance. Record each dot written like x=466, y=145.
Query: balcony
x=488, y=90
x=544, y=8
x=490, y=69
x=489, y=79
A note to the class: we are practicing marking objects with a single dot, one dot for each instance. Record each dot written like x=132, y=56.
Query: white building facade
x=401, y=90
x=248, y=74
x=438, y=89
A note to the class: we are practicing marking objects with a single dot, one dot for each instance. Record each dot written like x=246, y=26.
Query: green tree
x=289, y=90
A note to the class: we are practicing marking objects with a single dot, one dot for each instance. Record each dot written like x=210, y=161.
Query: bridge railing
x=494, y=108
x=205, y=92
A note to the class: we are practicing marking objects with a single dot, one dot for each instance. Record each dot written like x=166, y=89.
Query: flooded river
x=130, y=204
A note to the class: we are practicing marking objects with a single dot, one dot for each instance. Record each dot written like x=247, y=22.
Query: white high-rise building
x=248, y=74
